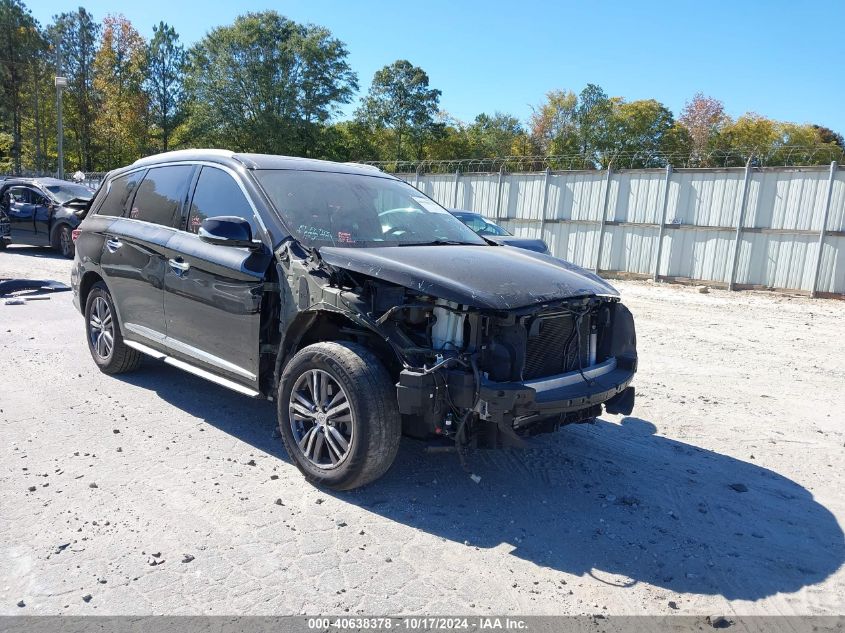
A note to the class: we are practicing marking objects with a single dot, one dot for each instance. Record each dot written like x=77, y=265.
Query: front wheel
x=338, y=415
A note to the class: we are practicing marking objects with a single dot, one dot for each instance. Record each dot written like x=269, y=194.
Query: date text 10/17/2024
x=422, y=623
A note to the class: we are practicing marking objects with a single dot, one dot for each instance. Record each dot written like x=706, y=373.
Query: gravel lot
x=159, y=493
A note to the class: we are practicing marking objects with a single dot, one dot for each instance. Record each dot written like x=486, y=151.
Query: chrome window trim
x=203, y=163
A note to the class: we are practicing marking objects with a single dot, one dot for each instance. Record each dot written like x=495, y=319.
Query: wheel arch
x=86, y=282
x=326, y=326
x=56, y=227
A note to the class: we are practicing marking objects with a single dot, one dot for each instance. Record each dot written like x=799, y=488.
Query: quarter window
x=160, y=195
x=217, y=194
x=119, y=191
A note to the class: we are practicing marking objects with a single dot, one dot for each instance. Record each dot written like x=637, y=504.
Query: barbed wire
x=783, y=156
x=91, y=178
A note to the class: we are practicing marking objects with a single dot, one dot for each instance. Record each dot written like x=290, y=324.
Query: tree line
x=268, y=84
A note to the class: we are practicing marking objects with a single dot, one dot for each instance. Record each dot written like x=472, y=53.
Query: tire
x=63, y=241
x=110, y=354
x=347, y=374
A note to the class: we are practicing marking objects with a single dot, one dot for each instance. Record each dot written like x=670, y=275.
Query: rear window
x=160, y=195
x=118, y=193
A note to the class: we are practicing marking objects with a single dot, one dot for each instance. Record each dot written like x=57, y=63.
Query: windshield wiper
x=440, y=242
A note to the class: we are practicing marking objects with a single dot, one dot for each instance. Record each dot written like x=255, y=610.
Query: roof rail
x=364, y=165
x=185, y=153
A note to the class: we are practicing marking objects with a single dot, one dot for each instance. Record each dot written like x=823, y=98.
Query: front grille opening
x=547, y=353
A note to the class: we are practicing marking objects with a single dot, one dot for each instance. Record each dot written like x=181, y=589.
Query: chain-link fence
x=91, y=179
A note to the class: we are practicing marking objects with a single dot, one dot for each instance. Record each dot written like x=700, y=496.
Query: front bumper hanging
x=419, y=393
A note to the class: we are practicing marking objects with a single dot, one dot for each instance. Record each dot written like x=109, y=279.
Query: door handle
x=179, y=267
x=113, y=244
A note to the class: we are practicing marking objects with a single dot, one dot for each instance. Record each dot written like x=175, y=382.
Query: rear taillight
x=75, y=234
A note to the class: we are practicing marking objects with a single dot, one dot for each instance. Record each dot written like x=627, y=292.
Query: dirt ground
x=159, y=493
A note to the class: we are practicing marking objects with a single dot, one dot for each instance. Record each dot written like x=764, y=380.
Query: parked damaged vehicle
x=42, y=212
x=492, y=232
x=5, y=229
x=360, y=306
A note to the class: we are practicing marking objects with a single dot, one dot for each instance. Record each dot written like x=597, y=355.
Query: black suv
x=358, y=304
x=42, y=212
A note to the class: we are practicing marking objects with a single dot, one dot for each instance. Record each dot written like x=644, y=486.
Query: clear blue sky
x=782, y=59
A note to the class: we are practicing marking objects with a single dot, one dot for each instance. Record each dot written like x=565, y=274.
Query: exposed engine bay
x=479, y=375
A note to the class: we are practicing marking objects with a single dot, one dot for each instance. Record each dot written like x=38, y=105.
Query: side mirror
x=226, y=230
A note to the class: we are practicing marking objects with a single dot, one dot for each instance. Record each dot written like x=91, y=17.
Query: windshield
x=63, y=193
x=352, y=210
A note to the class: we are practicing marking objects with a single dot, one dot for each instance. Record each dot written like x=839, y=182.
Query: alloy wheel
x=101, y=328
x=321, y=418
x=65, y=241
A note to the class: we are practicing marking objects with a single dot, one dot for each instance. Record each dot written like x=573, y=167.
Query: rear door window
x=119, y=192
x=160, y=195
x=216, y=194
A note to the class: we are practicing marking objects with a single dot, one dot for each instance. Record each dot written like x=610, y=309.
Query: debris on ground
x=718, y=621
x=10, y=287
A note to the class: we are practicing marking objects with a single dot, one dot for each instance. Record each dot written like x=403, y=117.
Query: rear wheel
x=338, y=415
x=63, y=241
x=105, y=342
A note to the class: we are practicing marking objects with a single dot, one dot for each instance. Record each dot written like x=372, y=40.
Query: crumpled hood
x=491, y=277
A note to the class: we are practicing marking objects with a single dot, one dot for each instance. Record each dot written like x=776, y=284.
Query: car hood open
x=493, y=277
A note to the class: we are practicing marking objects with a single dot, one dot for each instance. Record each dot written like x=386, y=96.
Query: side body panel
x=212, y=304
x=132, y=263
x=43, y=213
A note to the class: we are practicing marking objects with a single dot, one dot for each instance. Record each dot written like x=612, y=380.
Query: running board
x=202, y=373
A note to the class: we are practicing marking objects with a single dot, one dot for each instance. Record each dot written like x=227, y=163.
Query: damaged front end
x=473, y=370
x=492, y=378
